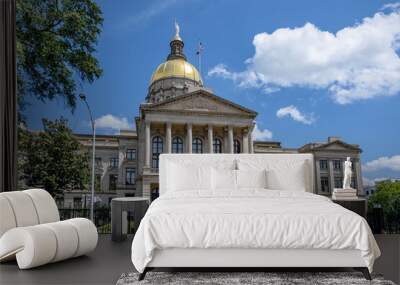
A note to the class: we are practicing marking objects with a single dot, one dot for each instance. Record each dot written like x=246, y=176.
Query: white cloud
x=372, y=182
x=112, y=122
x=243, y=79
x=355, y=63
x=391, y=6
x=261, y=135
x=384, y=162
x=295, y=114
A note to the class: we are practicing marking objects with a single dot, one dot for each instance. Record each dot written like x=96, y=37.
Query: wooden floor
x=103, y=266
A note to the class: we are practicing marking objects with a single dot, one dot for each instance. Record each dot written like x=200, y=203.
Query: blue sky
x=338, y=75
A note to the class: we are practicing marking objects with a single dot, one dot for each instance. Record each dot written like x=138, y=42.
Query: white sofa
x=31, y=230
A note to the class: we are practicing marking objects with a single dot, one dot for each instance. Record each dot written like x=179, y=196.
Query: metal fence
x=380, y=223
x=102, y=219
x=101, y=216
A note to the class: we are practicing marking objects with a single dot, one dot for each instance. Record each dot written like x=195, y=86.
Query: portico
x=198, y=122
x=207, y=146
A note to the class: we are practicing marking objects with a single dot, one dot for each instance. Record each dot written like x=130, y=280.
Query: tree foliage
x=52, y=158
x=55, y=44
x=387, y=196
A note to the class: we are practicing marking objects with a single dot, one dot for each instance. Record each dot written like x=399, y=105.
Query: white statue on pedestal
x=347, y=174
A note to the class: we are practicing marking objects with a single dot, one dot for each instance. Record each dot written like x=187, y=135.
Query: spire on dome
x=176, y=45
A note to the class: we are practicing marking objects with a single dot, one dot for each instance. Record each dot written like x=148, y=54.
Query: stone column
x=225, y=141
x=147, y=145
x=210, y=139
x=189, y=138
x=146, y=192
x=318, y=177
x=230, y=139
x=331, y=176
x=245, y=140
x=168, y=137
x=251, y=144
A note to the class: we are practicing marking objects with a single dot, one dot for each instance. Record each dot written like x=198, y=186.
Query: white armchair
x=31, y=230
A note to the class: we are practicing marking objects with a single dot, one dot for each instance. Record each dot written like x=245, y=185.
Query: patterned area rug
x=242, y=278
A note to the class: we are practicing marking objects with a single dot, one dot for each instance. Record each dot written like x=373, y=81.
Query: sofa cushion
x=32, y=246
x=87, y=235
x=23, y=208
x=67, y=240
x=45, y=205
x=7, y=218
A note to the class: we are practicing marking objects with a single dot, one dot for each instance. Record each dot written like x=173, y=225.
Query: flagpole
x=200, y=63
x=199, y=51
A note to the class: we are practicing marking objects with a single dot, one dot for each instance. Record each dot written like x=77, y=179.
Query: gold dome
x=176, y=68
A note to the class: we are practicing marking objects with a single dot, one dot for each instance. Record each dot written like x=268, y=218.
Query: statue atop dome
x=176, y=45
x=177, y=30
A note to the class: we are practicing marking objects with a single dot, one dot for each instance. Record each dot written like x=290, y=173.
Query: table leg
x=116, y=221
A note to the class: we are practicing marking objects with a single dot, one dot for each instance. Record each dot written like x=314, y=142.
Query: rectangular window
x=97, y=161
x=337, y=164
x=114, y=161
x=130, y=176
x=323, y=164
x=60, y=203
x=131, y=154
x=156, y=149
x=77, y=203
x=338, y=182
x=97, y=183
x=113, y=182
x=324, y=184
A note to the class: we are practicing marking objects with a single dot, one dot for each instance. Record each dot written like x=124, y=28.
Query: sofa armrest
x=40, y=244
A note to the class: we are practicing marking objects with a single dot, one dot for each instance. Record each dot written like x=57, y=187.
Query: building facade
x=329, y=158
x=180, y=115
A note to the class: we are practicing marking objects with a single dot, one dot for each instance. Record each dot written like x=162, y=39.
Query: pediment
x=338, y=146
x=202, y=102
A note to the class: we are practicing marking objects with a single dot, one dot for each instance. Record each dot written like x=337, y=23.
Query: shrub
x=387, y=196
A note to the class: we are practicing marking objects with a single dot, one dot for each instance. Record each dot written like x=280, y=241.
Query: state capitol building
x=181, y=115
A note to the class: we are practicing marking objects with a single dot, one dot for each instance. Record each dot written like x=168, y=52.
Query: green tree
x=55, y=44
x=387, y=196
x=53, y=158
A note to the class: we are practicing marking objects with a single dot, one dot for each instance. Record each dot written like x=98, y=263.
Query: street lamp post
x=83, y=98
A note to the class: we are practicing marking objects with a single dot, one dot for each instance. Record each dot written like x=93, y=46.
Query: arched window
x=217, y=146
x=197, y=145
x=177, y=145
x=236, y=146
x=157, y=148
